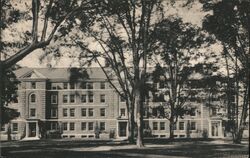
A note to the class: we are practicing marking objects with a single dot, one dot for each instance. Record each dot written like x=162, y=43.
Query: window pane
x=162, y=125
x=181, y=125
x=84, y=112
x=91, y=98
x=84, y=126
x=33, y=85
x=102, y=98
x=65, y=126
x=91, y=112
x=90, y=85
x=72, y=126
x=155, y=125
x=32, y=98
x=53, y=112
x=123, y=112
x=65, y=112
x=84, y=85
x=102, y=112
x=15, y=127
x=72, y=98
x=72, y=112
x=32, y=112
x=65, y=85
x=91, y=126
x=83, y=98
x=54, y=99
x=193, y=126
x=102, y=126
x=72, y=85
x=65, y=98
x=102, y=85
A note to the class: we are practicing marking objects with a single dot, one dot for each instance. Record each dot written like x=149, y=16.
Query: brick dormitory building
x=53, y=101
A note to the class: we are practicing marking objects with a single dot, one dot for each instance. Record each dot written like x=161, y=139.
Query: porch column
x=37, y=129
x=27, y=130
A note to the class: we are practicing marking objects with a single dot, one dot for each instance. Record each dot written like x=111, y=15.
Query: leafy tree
x=121, y=32
x=176, y=44
x=50, y=14
x=230, y=23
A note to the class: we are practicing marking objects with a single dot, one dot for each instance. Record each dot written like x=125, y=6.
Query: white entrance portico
x=32, y=130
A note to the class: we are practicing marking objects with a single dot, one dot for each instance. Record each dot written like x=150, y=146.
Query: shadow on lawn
x=60, y=149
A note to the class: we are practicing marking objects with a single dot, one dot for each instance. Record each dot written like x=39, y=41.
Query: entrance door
x=32, y=129
x=215, y=129
x=122, y=129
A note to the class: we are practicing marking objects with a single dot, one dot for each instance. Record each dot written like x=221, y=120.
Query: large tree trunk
x=171, y=128
x=1, y=89
x=131, y=124
x=139, y=140
x=238, y=136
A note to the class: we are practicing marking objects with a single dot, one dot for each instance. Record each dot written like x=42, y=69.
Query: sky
x=193, y=15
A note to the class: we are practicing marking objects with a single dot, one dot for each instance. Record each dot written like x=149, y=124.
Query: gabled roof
x=60, y=73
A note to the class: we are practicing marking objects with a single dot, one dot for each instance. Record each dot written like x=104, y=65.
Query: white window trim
x=184, y=126
x=104, y=99
x=104, y=112
x=51, y=113
x=54, y=95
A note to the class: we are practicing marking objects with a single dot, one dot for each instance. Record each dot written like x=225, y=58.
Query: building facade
x=75, y=103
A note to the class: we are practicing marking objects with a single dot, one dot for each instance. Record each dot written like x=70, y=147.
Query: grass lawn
x=106, y=149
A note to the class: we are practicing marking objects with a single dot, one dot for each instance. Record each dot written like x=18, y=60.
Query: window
x=84, y=98
x=65, y=126
x=102, y=126
x=3, y=128
x=174, y=126
x=193, y=125
x=90, y=85
x=91, y=98
x=65, y=112
x=72, y=126
x=102, y=98
x=181, y=126
x=162, y=125
x=91, y=112
x=102, y=112
x=72, y=85
x=14, y=127
x=33, y=85
x=193, y=112
x=32, y=98
x=72, y=112
x=123, y=111
x=54, y=99
x=84, y=112
x=91, y=126
x=83, y=126
x=54, y=87
x=53, y=125
x=53, y=112
x=155, y=125
x=32, y=112
x=65, y=98
x=72, y=98
x=83, y=85
x=102, y=85
x=65, y=85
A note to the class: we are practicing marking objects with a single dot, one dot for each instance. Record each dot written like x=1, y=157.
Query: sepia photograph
x=124, y=78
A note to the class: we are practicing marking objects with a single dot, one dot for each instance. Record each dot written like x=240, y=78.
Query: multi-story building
x=80, y=103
